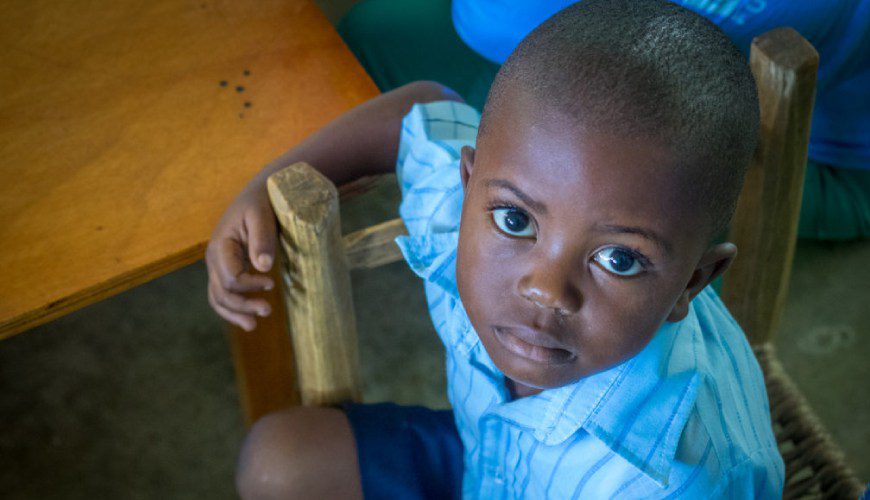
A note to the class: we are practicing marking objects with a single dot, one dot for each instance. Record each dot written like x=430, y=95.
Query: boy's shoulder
x=729, y=425
x=432, y=136
x=427, y=169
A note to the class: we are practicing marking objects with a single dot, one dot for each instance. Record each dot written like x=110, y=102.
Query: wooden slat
x=374, y=246
x=316, y=283
x=263, y=359
x=765, y=222
x=364, y=185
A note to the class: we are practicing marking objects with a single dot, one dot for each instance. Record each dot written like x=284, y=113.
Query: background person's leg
x=401, y=41
x=836, y=203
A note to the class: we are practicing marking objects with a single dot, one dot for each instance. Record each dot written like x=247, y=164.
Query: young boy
x=566, y=250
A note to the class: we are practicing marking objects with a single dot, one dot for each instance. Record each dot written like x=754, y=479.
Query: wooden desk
x=127, y=127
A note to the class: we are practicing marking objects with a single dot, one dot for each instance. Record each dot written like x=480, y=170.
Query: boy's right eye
x=514, y=222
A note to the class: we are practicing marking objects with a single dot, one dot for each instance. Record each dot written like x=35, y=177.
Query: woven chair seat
x=814, y=466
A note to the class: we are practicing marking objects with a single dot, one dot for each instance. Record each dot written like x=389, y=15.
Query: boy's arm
x=363, y=141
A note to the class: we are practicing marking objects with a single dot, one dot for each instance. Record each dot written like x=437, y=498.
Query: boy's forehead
x=519, y=116
x=525, y=134
x=573, y=170
x=611, y=173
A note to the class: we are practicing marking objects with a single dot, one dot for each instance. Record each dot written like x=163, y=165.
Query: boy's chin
x=537, y=378
x=532, y=374
x=541, y=384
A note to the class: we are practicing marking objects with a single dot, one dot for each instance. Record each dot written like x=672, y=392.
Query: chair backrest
x=765, y=223
x=315, y=268
x=318, y=259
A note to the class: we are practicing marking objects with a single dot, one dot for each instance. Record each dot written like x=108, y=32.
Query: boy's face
x=574, y=247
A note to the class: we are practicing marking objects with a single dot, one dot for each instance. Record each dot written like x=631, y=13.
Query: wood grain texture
x=764, y=227
x=316, y=282
x=264, y=361
x=374, y=246
x=363, y=185
x=121, y=149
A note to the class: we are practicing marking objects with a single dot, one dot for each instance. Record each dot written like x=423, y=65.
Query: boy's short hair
x=652, y=69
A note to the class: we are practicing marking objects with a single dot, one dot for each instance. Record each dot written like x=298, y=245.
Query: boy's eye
x=514, y=222
x=619, y=261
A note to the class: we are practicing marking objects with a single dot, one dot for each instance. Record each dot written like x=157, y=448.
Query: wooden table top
x=127, y=127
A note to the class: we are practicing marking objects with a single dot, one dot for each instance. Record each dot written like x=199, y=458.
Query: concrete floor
x=134, y=397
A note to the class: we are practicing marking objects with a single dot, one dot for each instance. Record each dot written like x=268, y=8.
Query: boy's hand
x=242, y=243
x=363, y=141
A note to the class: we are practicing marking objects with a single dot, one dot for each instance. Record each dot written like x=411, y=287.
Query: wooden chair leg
x=263, y=359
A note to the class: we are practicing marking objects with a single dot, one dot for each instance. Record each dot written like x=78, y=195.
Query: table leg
x=263, y=358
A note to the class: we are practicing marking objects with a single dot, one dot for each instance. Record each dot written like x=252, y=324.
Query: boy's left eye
x=619, y=261
x=513, y=222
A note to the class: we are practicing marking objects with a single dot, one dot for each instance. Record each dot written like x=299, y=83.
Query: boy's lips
x=532, y=345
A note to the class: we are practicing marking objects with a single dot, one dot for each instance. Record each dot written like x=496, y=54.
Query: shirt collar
x=638, y=408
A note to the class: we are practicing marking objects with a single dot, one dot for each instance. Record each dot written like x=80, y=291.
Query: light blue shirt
x=840, y=31
x=686, y=417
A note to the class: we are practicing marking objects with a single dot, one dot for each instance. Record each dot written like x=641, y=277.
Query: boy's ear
x=713, y=263
x=466, y=164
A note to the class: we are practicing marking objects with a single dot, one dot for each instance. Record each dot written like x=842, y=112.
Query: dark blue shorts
x=406, y=452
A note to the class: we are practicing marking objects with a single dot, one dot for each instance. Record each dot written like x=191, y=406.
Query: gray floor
x=134, y=397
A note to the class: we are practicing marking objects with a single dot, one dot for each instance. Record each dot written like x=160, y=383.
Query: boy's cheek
x=618, y=323
x=483, y=252
x=484, y=281
x=643, y=302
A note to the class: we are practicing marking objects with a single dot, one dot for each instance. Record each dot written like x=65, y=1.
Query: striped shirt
x=686, y=417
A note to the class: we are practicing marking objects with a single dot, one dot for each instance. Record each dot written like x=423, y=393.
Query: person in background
x=462, y=44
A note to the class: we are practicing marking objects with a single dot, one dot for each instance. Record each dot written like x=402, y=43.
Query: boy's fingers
x=244, y=283
x=261, y=239
x=238, y=303
x=243, y=321
x=229, y=268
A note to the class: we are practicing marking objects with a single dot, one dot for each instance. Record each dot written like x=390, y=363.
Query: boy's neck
x=518, y=390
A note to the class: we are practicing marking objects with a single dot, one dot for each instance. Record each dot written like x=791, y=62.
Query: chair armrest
x=316, y=283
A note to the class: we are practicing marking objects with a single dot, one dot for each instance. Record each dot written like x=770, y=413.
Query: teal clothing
x=836, y=203
x=401, y=41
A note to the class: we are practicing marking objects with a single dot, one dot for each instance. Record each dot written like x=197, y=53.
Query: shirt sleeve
x=752, y=478
x=428, y=165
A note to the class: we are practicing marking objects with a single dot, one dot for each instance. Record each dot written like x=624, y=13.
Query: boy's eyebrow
x=536, y=206
x=655, y=238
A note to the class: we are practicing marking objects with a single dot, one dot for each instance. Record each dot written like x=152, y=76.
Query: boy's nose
x=551, y=285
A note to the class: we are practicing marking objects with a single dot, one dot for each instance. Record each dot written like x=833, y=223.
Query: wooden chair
x=320, y=312
x=764, y=229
